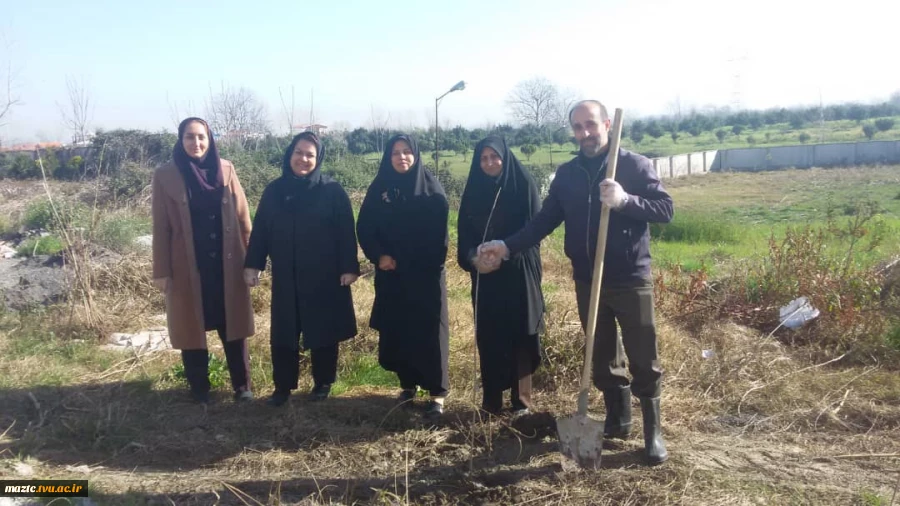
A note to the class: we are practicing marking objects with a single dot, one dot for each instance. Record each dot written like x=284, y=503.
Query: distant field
x=771, y=135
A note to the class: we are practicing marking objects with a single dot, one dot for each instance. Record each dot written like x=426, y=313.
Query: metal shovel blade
x=581, y=439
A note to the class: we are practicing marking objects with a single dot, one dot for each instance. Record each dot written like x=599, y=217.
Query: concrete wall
x=780, y=157
x=686, y=164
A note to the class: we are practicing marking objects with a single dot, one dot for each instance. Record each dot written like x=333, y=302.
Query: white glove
x=612, y=194
x=494, y=251
x=251, y=277
x=485, y=264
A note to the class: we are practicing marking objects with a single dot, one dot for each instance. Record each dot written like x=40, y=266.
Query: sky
x=146, y=65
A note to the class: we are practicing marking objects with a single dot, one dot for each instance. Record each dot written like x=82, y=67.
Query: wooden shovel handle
x=615, y=136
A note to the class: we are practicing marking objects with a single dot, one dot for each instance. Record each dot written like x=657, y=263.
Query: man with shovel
x=635, y=198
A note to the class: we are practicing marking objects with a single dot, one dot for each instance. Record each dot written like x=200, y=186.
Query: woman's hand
x=251, y=277
x=387, y=263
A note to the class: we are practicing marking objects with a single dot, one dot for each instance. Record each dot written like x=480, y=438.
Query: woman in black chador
x=499, y=198
x=402, y=229
x=304, y=224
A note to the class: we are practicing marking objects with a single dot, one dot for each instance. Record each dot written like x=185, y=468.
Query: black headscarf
x=201, y=175
x=297, y=184
x=514, y=183
x=415, y=182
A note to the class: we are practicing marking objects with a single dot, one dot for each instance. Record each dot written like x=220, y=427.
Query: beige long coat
x=173, y=258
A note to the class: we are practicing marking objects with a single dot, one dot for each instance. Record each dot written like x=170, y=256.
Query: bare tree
x=533, y=101
x=565, y=100
x=176, y=114
x=380, y=126
x=288, y=113
x=8, y=98
x=79, y=112
x=236, y=114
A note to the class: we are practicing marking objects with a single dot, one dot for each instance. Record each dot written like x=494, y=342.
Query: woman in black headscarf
x=402, y=229
x=304, y=224
x=499, y=198
x=201, y=225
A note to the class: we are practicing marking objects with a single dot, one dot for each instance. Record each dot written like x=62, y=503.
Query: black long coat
x=510, y=306
x=306, y=228
x=405, y=217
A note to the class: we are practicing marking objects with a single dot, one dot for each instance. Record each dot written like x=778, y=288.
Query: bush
x=255, y=171
x=70, y=170
x=806, y=263
x=737, y=129
x=39, y=215
x=818, y=262
x=47, y=245
x=884, y=124
x=129, y=181
x=118, y=232
x=803, y=137
x=721, y=134
x=528, y=150
x=24, y=167
x=353, y=172
x=868, y=130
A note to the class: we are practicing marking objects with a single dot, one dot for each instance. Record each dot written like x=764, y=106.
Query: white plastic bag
x=797, y=313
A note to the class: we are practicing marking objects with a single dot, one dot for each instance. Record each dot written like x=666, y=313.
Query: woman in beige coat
x=201, y=227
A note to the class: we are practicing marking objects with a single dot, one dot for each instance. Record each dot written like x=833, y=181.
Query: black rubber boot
x=618, y=413
x=654, y=446
x=320, y=392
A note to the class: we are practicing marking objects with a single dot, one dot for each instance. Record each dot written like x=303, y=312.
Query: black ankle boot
x=618, y=413
x=320, y=392
x=654, y=446
x=279, y=397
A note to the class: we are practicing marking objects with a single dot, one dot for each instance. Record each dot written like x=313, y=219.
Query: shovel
x=580, y=436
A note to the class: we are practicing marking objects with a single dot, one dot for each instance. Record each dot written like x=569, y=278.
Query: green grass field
x=720, y=217
x=767, y=136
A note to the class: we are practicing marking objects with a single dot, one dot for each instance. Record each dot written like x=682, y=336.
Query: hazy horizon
x=362, y=62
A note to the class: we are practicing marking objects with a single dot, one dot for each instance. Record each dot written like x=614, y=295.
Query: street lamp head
x=459, y=86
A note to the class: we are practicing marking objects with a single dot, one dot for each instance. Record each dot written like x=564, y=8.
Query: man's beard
x=592, y=149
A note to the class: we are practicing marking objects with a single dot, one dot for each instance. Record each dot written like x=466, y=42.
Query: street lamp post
x=456, y=87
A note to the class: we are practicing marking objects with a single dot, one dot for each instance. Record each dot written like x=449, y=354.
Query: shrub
x=47, y=245
x=528, y=150
x=39, y=215
x=118, y=231
x=868, y=130
x=129, y=181
x=884, y=124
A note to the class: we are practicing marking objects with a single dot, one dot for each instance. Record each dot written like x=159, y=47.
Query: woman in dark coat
x=499, y=198
x=402, y=229
x=304, y=224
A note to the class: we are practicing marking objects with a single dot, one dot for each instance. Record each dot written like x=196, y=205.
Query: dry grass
x=758, y=422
